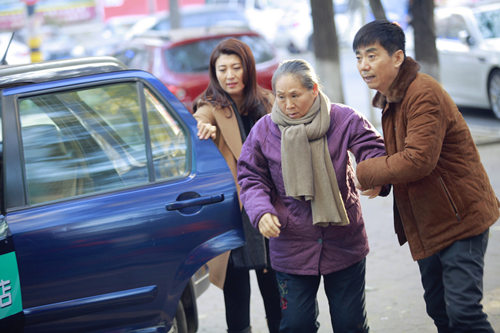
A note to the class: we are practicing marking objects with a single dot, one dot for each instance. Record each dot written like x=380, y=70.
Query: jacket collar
x=407, y=73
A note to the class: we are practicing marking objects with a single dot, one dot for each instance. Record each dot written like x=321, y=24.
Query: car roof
x=159, y=38
x=11, y=76
x=235, y=13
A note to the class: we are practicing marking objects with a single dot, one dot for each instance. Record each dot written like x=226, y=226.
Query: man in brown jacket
x=443, y=201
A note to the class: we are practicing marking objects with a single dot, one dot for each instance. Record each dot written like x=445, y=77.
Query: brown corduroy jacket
x=441, y=190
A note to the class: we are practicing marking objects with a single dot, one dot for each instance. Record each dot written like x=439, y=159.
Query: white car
x=468, y=43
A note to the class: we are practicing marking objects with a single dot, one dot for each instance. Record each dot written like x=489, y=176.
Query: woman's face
x=229, y=71
x=292, y=97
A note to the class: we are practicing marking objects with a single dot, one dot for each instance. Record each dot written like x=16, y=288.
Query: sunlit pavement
x=394, y=293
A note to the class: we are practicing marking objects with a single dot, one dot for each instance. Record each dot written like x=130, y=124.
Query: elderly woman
x=298, y=188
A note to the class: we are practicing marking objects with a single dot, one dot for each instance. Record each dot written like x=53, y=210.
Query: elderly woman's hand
x=206, y=131
x=371, y=192
x=269, y=225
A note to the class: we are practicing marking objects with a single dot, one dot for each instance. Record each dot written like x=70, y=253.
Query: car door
x=462, y=65
x=112, y=202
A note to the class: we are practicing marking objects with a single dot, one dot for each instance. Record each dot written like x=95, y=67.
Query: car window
x=450, y=27
x=195, y=57
x=260, y=48
x=489, y=23
x=168, y=141
x=93, y=140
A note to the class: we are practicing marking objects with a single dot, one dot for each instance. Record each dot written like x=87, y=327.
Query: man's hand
x=269, y=225
x=206, y=131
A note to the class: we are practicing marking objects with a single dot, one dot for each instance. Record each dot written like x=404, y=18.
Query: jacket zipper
x=450, y=199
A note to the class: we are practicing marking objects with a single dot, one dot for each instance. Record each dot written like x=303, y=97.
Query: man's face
x=377, y=68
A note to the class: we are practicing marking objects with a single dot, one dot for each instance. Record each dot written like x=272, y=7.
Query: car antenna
x=4, y=58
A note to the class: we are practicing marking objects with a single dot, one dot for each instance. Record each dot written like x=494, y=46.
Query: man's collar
x=407, y=73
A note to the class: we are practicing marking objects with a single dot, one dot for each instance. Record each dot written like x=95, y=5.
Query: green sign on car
x=10, y=288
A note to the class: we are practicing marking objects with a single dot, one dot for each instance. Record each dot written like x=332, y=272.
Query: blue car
x=111, y=206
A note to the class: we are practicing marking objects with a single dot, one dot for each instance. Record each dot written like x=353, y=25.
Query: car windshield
x=195, y=57
x=489, y=23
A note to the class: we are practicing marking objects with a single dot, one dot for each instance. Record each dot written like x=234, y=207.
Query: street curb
x=487, y=142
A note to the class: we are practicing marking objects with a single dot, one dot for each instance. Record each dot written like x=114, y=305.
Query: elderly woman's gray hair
x=300, y=69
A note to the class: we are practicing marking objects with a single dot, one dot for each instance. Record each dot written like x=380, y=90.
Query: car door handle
x=199, y=201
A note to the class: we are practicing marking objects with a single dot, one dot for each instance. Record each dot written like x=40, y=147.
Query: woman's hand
x=371, y=192
x=206, y=131
x=269, y=225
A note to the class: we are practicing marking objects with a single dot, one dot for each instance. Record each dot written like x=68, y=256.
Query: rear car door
x=111, y=200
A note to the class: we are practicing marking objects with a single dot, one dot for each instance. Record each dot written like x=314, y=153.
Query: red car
x=180, y=58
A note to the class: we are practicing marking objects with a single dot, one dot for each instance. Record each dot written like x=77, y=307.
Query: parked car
x=215, y=15
x=295, y=27
x=468, y=43
x=111, y=205
x=263, y=16
x=180, y=58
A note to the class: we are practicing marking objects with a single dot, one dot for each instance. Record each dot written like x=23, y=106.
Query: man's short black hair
x=390, y=36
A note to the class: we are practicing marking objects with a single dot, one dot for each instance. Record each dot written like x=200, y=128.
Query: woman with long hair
x=225, y=112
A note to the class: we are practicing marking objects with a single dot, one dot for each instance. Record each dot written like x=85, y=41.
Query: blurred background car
x=295, y=28
x=191, y=16
x=180, y=58
x=468, y=43
x=263, y=16
x=18, y=51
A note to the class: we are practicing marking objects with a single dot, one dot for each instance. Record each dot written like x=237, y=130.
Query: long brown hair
x=255, y=104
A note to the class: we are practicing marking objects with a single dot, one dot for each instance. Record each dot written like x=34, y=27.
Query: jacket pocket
x=450, y=198
x=431, y=207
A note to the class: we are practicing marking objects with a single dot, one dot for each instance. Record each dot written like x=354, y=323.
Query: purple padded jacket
x=301, y=247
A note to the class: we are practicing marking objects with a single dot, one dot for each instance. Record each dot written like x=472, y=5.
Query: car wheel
x=179, y=324
x=494, y=92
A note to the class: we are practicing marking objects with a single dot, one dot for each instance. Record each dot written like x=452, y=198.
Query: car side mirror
x=466, y=38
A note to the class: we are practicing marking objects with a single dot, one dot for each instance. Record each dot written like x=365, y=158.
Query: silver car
x=468, y=43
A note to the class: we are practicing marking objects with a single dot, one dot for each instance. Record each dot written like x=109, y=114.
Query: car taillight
x=177, y=91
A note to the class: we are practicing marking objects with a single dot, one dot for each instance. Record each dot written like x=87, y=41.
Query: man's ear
x=399, y=57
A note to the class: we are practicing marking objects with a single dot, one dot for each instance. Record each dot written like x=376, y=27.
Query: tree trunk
x=326, y=49
x=422, y=13
x=378, y=9
x=175, y=17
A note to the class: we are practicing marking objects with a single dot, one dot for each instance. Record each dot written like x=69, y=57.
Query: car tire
x=494, y=92
x=179, y=324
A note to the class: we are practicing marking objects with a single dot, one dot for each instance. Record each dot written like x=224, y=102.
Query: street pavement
x=394, y=295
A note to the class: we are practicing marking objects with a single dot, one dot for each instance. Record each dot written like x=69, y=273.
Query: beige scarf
x=308, y=172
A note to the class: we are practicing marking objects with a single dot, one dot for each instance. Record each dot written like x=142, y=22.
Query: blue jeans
x=344, y=289
x=453, y=286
